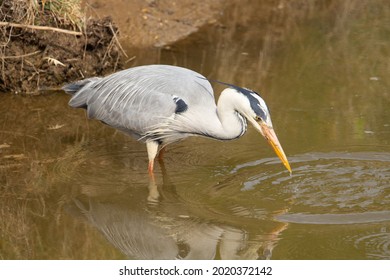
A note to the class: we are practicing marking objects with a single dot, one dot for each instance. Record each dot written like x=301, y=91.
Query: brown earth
x=34, y=60
x=157, y=23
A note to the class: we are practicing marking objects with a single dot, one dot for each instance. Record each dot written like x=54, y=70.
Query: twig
x=20, y=56
x=37, y=27
x=130, y=59
x=117, y=41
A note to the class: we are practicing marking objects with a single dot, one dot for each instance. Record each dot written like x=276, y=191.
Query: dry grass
x=57, y=13
x=66, y=12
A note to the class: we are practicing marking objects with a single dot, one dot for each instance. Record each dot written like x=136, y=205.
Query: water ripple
x=350, y=218
x=376, y=244
x=327, y=182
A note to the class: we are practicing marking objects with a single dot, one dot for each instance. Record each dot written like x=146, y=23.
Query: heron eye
x=257, y=118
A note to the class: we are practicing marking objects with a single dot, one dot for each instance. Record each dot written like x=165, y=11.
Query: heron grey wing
x=131, y=109
x=136, y=99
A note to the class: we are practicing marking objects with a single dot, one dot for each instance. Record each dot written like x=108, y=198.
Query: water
x=72, y=188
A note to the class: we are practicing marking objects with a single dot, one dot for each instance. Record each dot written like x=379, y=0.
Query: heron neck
x=233, y=125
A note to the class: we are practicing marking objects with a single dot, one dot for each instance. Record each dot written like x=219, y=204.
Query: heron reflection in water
x=170, y=229
x=162, y=104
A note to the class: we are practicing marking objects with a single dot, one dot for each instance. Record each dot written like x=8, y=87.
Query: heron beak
x=269, y=134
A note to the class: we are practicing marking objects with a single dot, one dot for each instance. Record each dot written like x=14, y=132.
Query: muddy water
x=74, y=189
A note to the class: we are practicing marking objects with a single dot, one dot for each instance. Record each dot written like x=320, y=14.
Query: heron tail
x=79, y=92
x=72, y=88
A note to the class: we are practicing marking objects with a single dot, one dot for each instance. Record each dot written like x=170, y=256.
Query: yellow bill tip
x=272, y=139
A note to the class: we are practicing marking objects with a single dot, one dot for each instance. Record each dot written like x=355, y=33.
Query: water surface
x=72, y=188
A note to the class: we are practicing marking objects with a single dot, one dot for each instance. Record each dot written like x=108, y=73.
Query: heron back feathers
x=139, y=99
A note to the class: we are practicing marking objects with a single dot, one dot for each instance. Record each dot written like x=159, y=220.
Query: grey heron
x=162, y=104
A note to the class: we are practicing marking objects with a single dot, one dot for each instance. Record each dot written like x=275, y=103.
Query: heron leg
x=161, y=153
x=152, y=148
x=150, y=167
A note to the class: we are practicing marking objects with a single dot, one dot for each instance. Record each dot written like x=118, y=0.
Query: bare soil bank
x=35, y=60
x=32, y=59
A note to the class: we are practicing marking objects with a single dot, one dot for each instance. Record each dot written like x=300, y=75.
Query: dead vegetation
x=46, y=43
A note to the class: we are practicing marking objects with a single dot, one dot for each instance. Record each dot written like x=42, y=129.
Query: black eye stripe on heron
x=252, y=97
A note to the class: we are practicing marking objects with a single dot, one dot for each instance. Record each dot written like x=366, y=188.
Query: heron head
x=257, y=113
